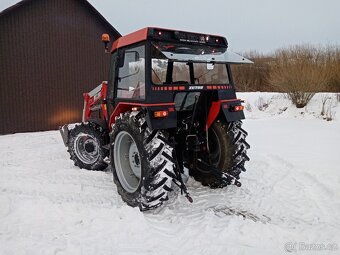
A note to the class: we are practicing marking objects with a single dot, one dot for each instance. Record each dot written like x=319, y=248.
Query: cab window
x=131, y=76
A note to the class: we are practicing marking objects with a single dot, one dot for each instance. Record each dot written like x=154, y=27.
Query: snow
x=276, y=105
x=289, y=197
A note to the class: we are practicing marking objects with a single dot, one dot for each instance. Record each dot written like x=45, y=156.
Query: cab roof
x=162, y=34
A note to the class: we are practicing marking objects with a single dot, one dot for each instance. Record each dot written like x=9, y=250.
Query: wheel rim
x=86, y=148
x=127, y=161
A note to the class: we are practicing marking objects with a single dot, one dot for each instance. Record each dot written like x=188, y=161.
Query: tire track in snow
x=271, y=194
x=81, y=188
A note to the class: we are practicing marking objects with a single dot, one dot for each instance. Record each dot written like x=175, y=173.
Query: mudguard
x=224, y=109
x=169, y=121
x=229, y=114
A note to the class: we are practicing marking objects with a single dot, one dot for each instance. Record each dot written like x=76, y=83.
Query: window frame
x=191, y=71
x=121, y=51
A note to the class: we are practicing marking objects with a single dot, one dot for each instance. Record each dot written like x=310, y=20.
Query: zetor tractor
x=168, y=110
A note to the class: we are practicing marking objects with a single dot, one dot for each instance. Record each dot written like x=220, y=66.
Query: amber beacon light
x=106, y=40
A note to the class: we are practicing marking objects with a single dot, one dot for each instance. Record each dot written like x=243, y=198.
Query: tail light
x=160, y=114
x=236, y=108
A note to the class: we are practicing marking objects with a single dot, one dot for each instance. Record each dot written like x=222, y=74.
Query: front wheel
x=227, y=152
x=142, y=162
x=85, y=146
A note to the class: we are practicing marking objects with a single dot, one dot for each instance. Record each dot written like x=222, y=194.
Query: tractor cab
x=155, y=66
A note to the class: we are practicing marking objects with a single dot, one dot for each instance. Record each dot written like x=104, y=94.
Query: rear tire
x=85, y=146
x=142, y=162
x=228, y=152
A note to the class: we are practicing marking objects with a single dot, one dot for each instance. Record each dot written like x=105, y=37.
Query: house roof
x=85, y=2
x=7, y=3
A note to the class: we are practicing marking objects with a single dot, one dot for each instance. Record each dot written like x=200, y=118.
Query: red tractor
x=169, y=109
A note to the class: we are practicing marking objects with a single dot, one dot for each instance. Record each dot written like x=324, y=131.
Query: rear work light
x=160, y=114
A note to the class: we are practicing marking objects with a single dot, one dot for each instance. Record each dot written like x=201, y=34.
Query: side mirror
x=106, y=40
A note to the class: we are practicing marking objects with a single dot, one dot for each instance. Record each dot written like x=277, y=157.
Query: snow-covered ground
x=289, y=199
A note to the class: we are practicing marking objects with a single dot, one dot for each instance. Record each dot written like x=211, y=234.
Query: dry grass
x=299, y=71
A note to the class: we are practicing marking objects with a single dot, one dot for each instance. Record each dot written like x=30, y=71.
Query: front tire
x=85, y=146
x=142, y=162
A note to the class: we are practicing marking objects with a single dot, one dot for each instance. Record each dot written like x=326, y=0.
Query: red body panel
x=213, y=113
x=142, y=35
x=126, y=106
x=97, y=101
x=134, y=37
x=91, y=101
x=215, y=110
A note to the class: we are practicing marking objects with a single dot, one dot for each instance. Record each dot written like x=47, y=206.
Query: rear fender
x=228, y=113
x=223, y=108
x=169, y=121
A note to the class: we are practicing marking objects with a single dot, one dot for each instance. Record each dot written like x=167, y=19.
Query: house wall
x=50, y=53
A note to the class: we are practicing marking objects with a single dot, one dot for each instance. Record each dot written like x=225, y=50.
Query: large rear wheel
x=142, y=162
x=227, y=152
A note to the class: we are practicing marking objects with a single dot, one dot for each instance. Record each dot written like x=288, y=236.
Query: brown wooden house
x=50, y=53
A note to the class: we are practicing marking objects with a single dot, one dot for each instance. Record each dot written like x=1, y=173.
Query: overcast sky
x=261, y=25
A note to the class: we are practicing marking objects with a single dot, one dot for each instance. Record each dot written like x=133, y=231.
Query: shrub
x=299, y=71
x=252, y=77
x=332, y=56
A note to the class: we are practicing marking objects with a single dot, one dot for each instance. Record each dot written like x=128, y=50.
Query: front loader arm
x=95, y=100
